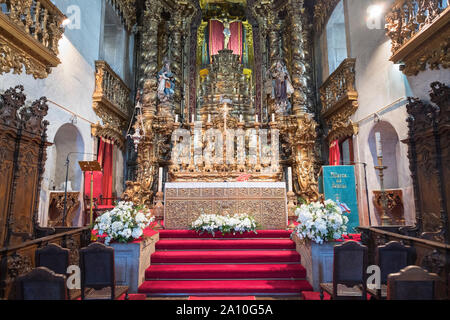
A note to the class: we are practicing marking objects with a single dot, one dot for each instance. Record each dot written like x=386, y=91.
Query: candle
x=209, y=118
x=273, y=117
x=193, y=118
x=290, y=179
x=241, y=118
x=379, y=146
x=160, y=179
x=176, y=118
x=256, y=118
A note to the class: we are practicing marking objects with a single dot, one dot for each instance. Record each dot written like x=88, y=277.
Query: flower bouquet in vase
x=320, y=225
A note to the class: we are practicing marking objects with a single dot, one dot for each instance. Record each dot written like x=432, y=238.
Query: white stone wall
x=69, y=88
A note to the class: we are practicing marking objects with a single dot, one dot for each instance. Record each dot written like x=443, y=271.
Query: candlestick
x=290, y=179
x=161, y=170
x=378, y=144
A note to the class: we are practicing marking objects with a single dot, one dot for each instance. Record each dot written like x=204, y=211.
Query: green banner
x=339, y=185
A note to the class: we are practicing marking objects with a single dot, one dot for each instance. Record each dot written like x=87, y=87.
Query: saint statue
x=166, y=83
x=280, y=87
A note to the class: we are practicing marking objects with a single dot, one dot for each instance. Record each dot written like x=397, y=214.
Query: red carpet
x=226, y=287
x=222, y=298
x=234, y=267
x=225, y=244
x=172, y=234
x=235, y=256
x=226, y=271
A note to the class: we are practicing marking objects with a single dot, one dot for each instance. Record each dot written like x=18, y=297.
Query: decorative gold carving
x=111, y=102
x=127, y=10
x=340, y=101
x=30, y=33
x=394, y=204
x=266, y=205
x=420, y=33
x=322, y=12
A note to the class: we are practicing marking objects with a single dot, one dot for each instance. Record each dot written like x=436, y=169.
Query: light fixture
x=375, y=11
x=66, y=22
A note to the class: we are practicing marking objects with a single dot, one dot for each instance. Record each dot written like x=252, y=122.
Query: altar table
x=184, y=202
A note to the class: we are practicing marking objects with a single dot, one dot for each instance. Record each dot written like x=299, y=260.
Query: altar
x=265, y=201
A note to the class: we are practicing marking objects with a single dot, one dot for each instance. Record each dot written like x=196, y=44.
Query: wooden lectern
x=90, y=166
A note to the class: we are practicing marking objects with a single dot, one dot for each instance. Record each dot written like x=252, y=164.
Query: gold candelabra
x=385, y=220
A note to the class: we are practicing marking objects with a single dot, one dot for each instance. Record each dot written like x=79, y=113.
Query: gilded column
x=152, y=15
x=177, y=50
x=298, y=63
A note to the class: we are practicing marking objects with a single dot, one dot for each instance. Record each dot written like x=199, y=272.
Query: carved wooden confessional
x=23, y=143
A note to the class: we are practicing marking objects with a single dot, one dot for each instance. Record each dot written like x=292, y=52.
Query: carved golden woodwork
x=300, y=132
x=225, y=79
x=340, y=101
x=111, y=102
x=25, y=43
x=56, y=208
x=394, y=203
x=322, y=12
x=266, y=204
x=127, y=10
x=420, y=36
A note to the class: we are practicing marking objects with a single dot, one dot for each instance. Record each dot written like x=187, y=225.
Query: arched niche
x=68, y=139
x=391, y=149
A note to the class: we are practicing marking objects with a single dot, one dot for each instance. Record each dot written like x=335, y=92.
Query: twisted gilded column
x=176, y=54
x=298, y=65
x=140, y=191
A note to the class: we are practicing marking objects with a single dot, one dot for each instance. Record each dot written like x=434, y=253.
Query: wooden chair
x=412, y=283
x=41, y=284
x=391, y=258
x=349, y=273
x=98, y=274
x=56, y=258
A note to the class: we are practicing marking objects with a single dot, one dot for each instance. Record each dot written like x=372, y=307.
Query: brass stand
x=385, y=220
x=292, y=206
x=90, y=166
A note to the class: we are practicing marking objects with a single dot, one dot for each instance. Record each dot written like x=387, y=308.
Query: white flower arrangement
x=213, y=223
x=124, y=223
x=321, y=222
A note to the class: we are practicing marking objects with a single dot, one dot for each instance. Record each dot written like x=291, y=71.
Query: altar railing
x=419, y=31
x=340, y=99
x=29, y=36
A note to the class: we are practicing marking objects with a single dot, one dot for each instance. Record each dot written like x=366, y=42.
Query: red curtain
x=335, y=154
x=236, y=38
x=216, y=37
x=105, y=158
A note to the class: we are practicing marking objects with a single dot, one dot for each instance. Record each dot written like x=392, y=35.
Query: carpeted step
x=225, y=244
x=260, y=256
x=225, y=287
x=226, y=271
x=167, y=234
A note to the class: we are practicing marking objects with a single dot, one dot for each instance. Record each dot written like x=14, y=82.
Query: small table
x=56, y=207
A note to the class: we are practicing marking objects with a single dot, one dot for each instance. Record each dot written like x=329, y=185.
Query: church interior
x=224, y=150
